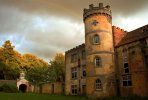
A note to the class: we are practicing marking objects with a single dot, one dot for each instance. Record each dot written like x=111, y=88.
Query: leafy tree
x=9, y=58
x=57, y=68
x=37, y=70
x=37, y=75
x=12, y=63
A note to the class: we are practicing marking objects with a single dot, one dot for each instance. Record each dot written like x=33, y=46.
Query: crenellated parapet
x=118, y=34
x=97, y=10
x=76, y=48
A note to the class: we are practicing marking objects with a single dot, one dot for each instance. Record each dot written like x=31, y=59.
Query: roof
x=134, y=35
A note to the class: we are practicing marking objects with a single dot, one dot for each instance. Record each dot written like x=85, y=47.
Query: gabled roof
x=134, y=35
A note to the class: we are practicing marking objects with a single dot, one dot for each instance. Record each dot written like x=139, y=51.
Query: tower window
x=98, y=84
x=95, y=22
x=97, y=61
x=96, y=39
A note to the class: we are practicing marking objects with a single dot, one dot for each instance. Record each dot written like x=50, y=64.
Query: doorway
x=52, y=88
x=23, y=88
x=83, y=89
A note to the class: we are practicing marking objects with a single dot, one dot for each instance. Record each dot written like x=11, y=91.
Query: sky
x=47, y=27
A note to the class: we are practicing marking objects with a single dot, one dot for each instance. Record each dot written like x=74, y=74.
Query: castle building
x=111, y=62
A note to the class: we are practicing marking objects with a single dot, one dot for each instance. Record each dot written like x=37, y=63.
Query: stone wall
x=11, y=82
x=137, y=69
x=52, y=88
x=79, y=64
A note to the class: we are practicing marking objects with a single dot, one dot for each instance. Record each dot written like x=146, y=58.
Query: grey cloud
x=74, y=8
x=21, y=22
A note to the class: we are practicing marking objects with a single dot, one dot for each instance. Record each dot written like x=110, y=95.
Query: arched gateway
x=23, y=85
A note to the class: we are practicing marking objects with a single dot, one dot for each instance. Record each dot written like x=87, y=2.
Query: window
x=83, y=54
x=73, y=58
x=74, y=90
x=95, y=22
x=126, y=68
x=96, y=39
x=74, y=73
x=84, y=71
x=79, y=62
x=125, y=61
x=98, y=84
x=127, y=80
x=97, y=61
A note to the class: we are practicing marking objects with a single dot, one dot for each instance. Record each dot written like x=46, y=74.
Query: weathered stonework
x=80, y=81
x=52, y=88
x=122, y=57
x=137, y=69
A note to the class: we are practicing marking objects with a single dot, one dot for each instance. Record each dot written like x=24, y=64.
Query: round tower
x=99, y=48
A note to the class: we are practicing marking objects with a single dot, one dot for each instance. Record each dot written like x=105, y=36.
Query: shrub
x=8, y=88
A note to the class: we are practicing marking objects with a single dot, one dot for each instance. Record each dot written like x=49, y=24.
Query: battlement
x=118, y=34
x=119, y=29
x=76, y=48
x=97, y=10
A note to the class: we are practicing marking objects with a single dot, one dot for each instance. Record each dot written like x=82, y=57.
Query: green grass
x=134, y=97
x=35, y=96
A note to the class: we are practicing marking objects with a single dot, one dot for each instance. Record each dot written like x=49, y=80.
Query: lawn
x=35, y=96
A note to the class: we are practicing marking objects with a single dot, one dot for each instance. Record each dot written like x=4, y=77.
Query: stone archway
x=23, y=88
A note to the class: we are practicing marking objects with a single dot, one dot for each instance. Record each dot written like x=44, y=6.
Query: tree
x=57, y=68
x=2, y=66
x=37, y=70
x=37, y=75
x=9, y=58
x=12, y=63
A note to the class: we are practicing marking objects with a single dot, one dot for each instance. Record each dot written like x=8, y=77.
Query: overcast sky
x=47, y=27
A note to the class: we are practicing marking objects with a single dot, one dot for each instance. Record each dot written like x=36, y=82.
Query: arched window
x=97, y=61
x=96, y=39
x=98, y=84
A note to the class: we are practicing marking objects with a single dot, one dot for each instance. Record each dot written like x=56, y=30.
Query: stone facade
x=11, y=82
x=132, y=63
x=115, y=61
x=52, y=88
x=75, y=71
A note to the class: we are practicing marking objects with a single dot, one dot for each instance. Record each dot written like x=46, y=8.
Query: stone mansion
x=111, y=62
